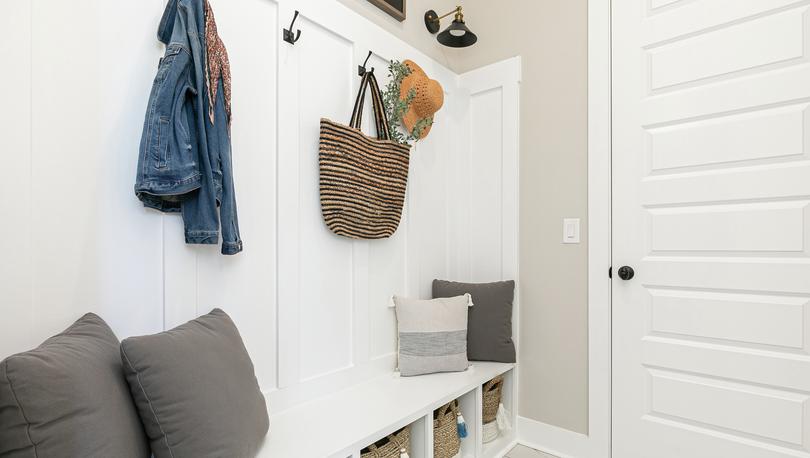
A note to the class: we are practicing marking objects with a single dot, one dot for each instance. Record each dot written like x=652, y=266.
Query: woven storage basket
x=492, y=398
x=490, y=432
x=446, y=442
x=390, y=446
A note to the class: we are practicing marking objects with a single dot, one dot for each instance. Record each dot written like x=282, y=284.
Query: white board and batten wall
x=311, y=306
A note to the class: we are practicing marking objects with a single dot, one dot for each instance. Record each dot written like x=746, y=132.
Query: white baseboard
x=553, y=440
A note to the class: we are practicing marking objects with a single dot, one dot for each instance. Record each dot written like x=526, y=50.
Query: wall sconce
x=457, y=35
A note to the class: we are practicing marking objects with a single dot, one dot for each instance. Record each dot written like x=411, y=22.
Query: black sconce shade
x=457, y=35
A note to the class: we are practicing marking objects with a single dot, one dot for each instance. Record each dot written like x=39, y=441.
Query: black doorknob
x=626, y=273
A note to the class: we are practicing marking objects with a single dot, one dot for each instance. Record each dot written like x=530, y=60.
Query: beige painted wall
x=551, y=37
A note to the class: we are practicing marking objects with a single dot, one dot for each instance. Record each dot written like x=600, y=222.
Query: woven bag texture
x=362, y=179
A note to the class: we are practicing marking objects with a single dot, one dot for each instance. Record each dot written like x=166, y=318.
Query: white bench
x=341, y=424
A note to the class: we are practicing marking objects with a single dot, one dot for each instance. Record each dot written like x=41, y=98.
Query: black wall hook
x=288, y=33
x=361, y=69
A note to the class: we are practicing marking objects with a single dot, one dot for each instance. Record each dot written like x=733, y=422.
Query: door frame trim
x=600, y=140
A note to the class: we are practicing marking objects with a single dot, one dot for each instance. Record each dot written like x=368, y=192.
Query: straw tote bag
x=362, y=178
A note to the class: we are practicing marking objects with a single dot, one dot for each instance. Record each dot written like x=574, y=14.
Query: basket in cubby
x=446, y=441
x=493, y=390
x=390, y=446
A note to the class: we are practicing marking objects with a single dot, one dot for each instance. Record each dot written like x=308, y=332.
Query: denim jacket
x=184, y=163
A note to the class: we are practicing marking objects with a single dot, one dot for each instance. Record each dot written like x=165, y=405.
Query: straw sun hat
x=427, y=101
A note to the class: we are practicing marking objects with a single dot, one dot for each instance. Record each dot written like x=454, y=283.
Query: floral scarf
x=218, y=65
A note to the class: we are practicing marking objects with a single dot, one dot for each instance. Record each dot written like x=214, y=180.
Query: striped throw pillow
x=432, y=335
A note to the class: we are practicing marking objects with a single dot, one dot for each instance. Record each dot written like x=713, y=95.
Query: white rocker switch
x=570, y=230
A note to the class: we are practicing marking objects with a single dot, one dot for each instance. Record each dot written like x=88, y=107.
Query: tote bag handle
x=380, y=117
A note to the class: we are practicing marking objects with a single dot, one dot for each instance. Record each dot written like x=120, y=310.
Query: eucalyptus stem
x=396, y=106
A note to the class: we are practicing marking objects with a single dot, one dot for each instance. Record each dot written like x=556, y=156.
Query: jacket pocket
x=160, y=145
x=183, y=115
x=166, y=61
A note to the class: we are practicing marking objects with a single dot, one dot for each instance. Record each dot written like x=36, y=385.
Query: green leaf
x=396, y=107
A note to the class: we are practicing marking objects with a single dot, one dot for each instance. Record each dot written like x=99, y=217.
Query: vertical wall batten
x=16, y=188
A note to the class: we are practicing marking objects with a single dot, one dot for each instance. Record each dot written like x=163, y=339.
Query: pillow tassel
x=469, y=299
x=502, y=418
x=462, y=426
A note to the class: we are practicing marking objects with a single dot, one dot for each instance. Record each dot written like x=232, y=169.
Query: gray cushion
x=432, y=335
x=69, y=398
x=489, y=329
x=196, y=390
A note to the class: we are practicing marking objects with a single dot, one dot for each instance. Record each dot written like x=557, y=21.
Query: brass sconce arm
x=432, y=21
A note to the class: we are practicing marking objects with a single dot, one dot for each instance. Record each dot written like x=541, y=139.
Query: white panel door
x=711, y=205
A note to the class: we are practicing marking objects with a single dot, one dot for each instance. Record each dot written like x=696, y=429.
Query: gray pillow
x=68, y=397
x=196, y=390
x=489, y=328
x=432, y=335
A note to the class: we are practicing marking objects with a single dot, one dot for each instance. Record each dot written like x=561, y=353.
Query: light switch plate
x=570, y=230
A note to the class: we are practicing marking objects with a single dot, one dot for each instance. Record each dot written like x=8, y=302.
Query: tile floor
x=522, y=451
